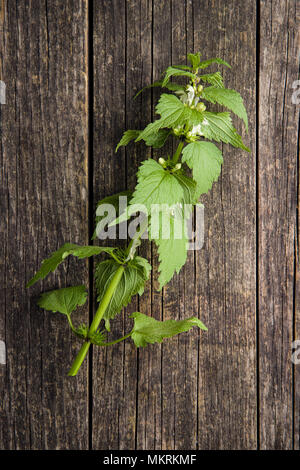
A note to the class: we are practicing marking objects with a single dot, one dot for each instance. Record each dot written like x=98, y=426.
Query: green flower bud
x=200, y=88
x=177, y=166
x=177, y=131
x=201, y=107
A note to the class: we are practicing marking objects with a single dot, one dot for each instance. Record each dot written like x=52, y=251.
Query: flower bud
x=200, y=88
x=177, y=166
x=201, y=107
x=162, y=161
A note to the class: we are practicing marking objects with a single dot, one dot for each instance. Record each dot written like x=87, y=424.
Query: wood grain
x=138, y=74
x=277, y=191
x=226, y=266
x=113, y=405
x=43, y=204
x=180, y=354
x=71, y=69
x=162, y=57
x=296, y=367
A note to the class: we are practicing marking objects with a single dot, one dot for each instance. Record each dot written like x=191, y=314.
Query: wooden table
x=71, y=69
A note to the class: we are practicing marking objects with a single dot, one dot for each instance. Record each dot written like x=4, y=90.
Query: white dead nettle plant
x=174, y=184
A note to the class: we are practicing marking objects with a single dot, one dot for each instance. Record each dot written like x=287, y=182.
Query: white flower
x=182, y=96
x=190, y=95
x=196, y=130
x=187, y=97
x=179, y=128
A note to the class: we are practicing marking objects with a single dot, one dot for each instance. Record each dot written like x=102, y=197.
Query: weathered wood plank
x=277, y=219
x=296, y=372
x=297, y=292
x=162, y=57
x=43, y=54
x=225, y=268
x=138, y=112
x=114, y=369
x=180, y=354
x=138, y=74
x=297, y=328
x=199, y=389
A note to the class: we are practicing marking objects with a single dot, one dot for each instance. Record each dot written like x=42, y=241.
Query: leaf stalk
x=178, y=152
x=96, y=320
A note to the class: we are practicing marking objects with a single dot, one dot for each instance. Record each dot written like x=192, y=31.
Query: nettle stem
x=97, y=319
x=118, y=340
x=105, y=302
x=178, y=152
x=79, y=358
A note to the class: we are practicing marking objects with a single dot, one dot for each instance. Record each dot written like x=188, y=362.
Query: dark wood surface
x=71, y=69
x=277, y=189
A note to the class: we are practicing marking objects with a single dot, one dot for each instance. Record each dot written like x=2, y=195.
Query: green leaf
x=183, y=67
x=172, y=238
x=173, y=113
x=171, y=109
x=159, y=186
x=148, y=330
x=188, y=185
x=175, y=72
x=64, y=300
x=156, y=186
x=170, y=191
x=205, y=160
x=150, y=130
x=169, y=86
x=214, y=79
x=50, y=264
x=194, y=59
x=229, y=98
x=172, y=246
x=88, y=251
x=157, y=139
x=218, y=127
x=172, y=86
x=135, y=275
x=169, y=231
x=206, y=63
x=127, y=137
x=114, y=200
